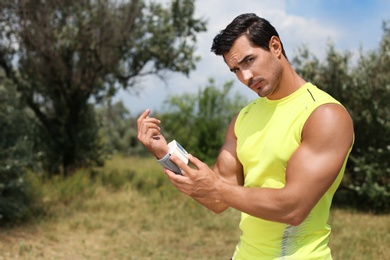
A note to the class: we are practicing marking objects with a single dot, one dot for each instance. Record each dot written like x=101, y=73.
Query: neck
x=289, y=82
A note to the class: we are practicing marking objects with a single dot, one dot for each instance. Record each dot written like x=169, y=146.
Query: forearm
x=214, y=205
x=267, y=203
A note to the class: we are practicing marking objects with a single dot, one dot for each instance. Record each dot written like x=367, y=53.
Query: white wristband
x=166, y=162
x=177, y=150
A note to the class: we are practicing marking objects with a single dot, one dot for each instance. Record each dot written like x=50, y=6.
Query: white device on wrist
x=174, y=148
x=177, y=150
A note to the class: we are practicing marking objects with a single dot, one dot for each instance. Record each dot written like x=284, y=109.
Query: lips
x=255, y=84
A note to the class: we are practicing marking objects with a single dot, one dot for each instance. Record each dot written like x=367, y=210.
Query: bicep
x=227, y=165
x=326, y=141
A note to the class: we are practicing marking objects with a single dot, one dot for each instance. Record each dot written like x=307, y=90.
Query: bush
x=16, y=156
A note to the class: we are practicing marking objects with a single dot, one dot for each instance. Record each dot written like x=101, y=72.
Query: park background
x=76, y=184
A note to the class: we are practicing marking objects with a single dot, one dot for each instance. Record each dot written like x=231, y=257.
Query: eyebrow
x=241, y=61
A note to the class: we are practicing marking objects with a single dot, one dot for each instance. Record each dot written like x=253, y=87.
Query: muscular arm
x=326, y=140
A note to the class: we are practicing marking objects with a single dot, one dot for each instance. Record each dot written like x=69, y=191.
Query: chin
x=261, y=93
x=266, y=92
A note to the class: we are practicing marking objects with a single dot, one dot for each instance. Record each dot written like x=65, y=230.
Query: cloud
x=296, y=31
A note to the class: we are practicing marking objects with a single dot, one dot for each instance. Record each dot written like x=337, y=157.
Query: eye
x=234, y=70
x=249, y=60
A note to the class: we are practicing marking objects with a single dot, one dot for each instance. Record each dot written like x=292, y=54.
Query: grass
x=359, y=235
x=131, y=211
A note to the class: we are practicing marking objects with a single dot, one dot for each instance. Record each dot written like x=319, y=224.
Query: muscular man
x=283, y=157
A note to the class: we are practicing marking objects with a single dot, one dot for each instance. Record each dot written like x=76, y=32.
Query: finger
x=183, y=166
x=146, y=137
x=148, y=122
x=152, y=132
x=195, y=161
x=147, y=126
x=173, y=177
x=151, y=120
x=144, y=118
x=144, y=115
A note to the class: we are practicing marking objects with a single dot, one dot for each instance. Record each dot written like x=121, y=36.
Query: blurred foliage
x=16, y=154
x=363, y=87
x=199, y=122
x=118, y=131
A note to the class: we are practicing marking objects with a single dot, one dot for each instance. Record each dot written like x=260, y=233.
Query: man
x=284, y=154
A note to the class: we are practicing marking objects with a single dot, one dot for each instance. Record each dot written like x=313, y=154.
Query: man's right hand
x=149, y=135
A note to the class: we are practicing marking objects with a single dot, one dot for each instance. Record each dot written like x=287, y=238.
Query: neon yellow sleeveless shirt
x=268, y=132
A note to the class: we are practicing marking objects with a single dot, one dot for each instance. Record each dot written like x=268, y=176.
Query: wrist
x=161, y=154
x=219, y=188
x=166, y=163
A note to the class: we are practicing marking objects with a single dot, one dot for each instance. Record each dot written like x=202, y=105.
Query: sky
x=349, y=24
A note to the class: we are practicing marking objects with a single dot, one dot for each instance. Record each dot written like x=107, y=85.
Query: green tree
x=364, y=89
x=199, y=122
x=63, y=56
x=369, y=99
x=16, y=154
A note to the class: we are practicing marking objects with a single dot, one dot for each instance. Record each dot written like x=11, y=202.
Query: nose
x=246, y=76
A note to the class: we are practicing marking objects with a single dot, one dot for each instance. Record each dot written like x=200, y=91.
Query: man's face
x=255, y=67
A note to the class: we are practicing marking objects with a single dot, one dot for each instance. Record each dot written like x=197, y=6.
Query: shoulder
x=330, y=113
x=230, y=133
x=329, y=124
x=318, y=96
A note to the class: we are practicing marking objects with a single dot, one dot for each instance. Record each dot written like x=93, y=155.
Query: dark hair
x=258, y=31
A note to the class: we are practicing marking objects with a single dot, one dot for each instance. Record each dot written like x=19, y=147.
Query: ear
x=275, y=46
